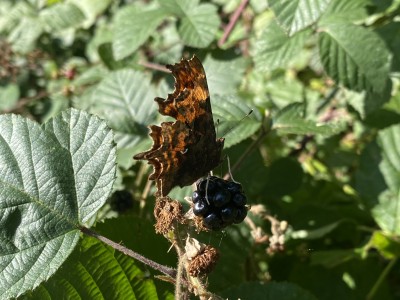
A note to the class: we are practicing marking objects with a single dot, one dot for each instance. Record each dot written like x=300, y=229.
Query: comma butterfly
x=187, y=149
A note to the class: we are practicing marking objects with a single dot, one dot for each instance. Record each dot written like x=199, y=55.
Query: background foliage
x=320, y=151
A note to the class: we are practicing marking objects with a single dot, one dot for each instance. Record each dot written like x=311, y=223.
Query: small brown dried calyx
x=204, y=262
x=167, y=212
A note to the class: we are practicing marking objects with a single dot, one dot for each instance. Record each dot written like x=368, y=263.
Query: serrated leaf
x=230, y=110
x=378, y=179
x=224, y=77
x=12, y=14
x=198, y=23
x=290, y=120
x=126, y=99
x=61, y=16
x=54, y=178
x=133, y=26
x=271, y=290
x=274, y=48
x=295, y=15
x=91, y=9
x=345, y=10
x=178, y=7
x=23, y=37
x=94, y=270
x=342, y=51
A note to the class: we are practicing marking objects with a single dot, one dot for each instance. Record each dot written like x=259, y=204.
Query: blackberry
x=211, y=187
x=196, y=197
x=200, y=208
x=234, y=187
x=221, y=198
x=239, y=199
x=241, y=215
x=225, y=203
x=228, y=214
x=213, y=222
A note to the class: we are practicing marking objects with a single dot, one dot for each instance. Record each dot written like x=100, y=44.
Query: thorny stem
x=154, y=66
x=232, y=22
x=156, y=266
x=183, y=278
x=180, y=276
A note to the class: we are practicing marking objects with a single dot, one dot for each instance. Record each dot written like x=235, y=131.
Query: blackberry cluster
x=225, y=205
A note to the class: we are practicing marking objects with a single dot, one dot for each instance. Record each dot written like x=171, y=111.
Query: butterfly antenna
x=233, y=127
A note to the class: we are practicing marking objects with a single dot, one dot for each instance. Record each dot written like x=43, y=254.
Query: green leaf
x=290, y=120
x=198, y=23
x=343, y=55
x=271, y=290
x=95, y=270
x=54, y=178
x=9, y=96
x=387, y=246
x=23, y=37
x=199, y=27
x=274, y=48
x=61, y=16
x=224, y=77
x=91, y=9
x=133, y=26
x=333, y=258
x=295, y=15
x=125, y=99
x=345, y=10
x=230, y=110
x=378, y=179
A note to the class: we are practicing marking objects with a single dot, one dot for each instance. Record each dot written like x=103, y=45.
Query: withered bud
x=167, y=212
x=204, y=262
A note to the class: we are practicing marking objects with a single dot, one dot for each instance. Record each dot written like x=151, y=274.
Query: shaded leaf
x=129, y=30
x=91, y=9
x=95, y=270
x=61, y=16
x=54, y=178
x=290, y=120
x=345, y=10
x=23, y=37
x=125, y=99
x=378, y=179
x=199, y=26
x=274, y=48
x=229, y=110
x=342, y=51
x=224, y=77
x=198, y=23
x=295, y=15
x=333, y=258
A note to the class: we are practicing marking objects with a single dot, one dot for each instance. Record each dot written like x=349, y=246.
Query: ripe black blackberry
x=219, y=203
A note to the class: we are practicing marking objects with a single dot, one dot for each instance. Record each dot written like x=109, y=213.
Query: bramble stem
x=232, y=22
x=156, y=266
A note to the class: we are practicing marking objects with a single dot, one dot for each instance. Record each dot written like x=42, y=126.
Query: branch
x=156, y=266
x=232, y=22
